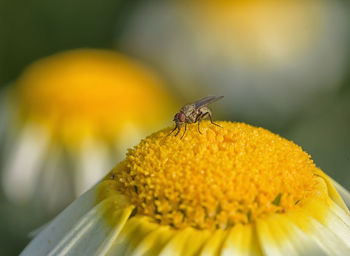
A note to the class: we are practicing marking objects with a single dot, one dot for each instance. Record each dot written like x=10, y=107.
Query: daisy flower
x=69, y=115
x=236, y=190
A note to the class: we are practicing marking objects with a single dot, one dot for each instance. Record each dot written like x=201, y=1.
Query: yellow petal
x=184, y=242
x=241, y=240
x=332, y=192
x=152, y=243
x=107, y=243
x=133, y=232
x=214, y=244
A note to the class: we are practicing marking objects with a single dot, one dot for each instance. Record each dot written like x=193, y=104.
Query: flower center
x=91, y=91
x=224, y=176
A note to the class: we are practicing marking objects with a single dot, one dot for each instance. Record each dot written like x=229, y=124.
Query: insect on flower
x=194, y=112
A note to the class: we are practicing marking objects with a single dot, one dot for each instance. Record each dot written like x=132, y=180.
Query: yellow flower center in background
x=91, y=91
x=225, y=176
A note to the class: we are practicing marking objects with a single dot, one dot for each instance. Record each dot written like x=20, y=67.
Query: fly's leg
x=199, y=119
x=199, y=122
x=178, y=131
x=211, y=120
x=172, y=131
x=184, y=131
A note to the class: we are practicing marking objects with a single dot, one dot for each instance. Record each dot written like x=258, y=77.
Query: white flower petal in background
x=55, y=186
x=94, y=158
x=23, y=164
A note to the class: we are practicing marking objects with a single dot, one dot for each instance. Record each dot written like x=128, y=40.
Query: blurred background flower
x=70, y=117
x=270, y=57
x=283, y=65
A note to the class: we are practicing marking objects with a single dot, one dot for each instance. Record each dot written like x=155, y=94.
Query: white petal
x=22, y=167
x=88, y=235
x=339, y=228
x=345, y=194
x=55, y=231
x=279, y=236
x=337, y=210
x=93, y=163
x=323, y=236
x=335, y=220
x=38, y=230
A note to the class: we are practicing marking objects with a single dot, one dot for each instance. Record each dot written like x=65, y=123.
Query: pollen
x=225, y=176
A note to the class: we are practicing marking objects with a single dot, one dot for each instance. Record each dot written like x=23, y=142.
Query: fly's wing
x=206, y=100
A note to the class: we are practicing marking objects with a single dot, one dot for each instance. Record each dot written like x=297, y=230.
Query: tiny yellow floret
x=217, y=179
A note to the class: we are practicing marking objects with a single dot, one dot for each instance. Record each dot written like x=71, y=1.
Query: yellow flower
x=69, y=114
x=236, y=190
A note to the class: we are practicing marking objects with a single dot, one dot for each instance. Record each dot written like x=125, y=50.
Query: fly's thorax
x=204, y=110
x=191, y=113
x=188, y=109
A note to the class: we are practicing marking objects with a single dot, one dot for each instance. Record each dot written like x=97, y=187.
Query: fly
x=193, y=113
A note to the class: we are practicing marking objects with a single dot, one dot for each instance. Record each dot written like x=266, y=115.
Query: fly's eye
x=181, y=117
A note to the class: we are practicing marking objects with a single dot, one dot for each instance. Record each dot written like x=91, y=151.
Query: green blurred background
x=30, y=30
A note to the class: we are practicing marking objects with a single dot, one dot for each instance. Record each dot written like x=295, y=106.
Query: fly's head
x=179, y=119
